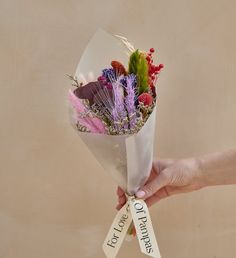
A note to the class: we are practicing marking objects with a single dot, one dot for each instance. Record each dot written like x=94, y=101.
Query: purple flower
x=123, y=80
x=109, y=74
x=119, y=113
x=130, y=99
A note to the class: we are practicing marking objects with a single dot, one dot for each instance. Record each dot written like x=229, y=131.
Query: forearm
x=218, y=168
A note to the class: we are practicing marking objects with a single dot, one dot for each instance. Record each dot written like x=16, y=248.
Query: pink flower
x=93, y=124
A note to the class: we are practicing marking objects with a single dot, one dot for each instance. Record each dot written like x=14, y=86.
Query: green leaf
x=138, y=65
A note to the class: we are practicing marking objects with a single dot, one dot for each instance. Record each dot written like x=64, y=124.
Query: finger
x=122, y=200
x=152, y=187
x=119, y=206
x=161, y=194
x=120, y=192
x=164, y=193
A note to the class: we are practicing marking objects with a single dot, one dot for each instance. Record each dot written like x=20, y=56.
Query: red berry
x=153, y=68
x=161, y=66
x=146, y=99
x=148, y=58
x=152, y=50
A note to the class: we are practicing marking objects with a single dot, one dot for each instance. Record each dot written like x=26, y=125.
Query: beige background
x=50, y=186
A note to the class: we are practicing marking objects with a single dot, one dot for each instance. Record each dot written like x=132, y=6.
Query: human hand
x=168, y=177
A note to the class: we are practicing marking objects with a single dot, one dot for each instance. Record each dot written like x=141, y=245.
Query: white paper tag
x=117, y=232
x=143, y=226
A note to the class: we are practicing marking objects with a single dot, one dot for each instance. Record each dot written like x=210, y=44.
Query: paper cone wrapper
x=128, y=158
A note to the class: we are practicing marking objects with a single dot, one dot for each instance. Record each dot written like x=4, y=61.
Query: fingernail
x=140, y=194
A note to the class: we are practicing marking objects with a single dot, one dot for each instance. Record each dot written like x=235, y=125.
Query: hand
x=168, y=177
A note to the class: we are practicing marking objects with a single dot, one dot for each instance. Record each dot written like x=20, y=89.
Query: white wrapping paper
x=100, y=51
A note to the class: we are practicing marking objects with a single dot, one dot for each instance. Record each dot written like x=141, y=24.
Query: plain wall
x=55, y=199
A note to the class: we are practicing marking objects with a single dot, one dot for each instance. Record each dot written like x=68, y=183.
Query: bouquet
x=113, y=106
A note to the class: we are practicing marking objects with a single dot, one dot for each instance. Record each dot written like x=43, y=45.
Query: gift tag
x=117, y=232
x=143, y=226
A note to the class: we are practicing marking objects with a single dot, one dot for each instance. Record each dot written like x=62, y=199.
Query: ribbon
x=137, y=211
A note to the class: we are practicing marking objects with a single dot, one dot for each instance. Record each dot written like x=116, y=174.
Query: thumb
x=153, y=186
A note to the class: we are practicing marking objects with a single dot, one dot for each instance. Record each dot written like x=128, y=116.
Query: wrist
x=218, y=168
